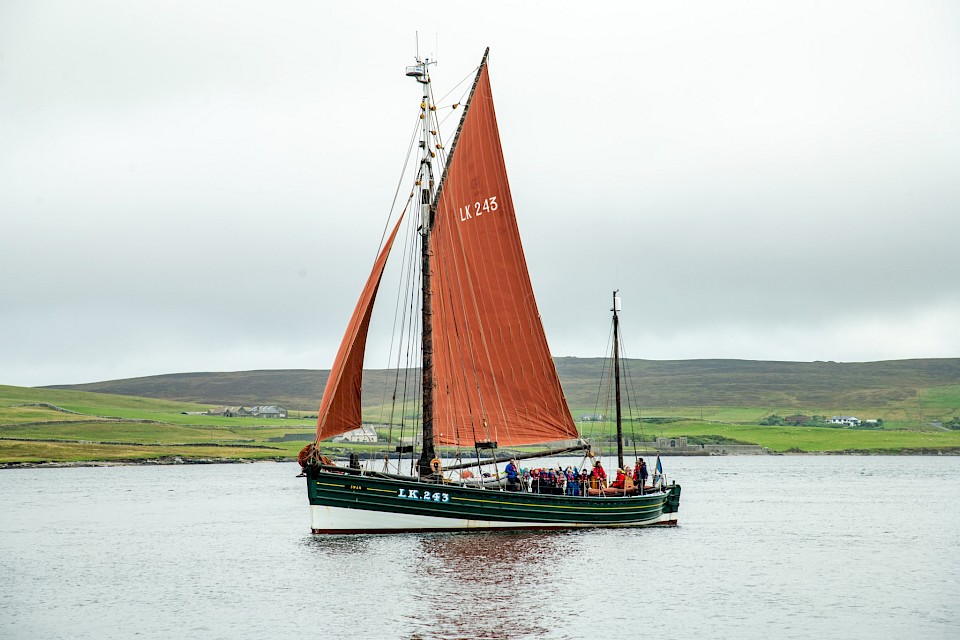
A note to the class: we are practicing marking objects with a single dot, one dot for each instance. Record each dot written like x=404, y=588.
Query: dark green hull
x=349, y=503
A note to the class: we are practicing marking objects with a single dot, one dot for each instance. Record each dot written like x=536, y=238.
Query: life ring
x=435, y=465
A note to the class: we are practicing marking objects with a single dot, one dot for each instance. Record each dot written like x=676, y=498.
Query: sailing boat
x=488, y=380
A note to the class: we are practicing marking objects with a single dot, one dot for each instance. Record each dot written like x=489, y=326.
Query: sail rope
x=603, y=384
x=399, y=314
x=400, y=182
x=633, y=413
x=412, y=368
x=408, y=319
x=412, y=342
x=632, y=399
x=454, y=106
x=470, y=76
x=411, y=224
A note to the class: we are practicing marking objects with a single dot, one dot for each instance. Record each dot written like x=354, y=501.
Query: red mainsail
x=494, y=377
x=340, y=407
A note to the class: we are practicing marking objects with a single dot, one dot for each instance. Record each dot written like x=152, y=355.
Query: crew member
x=598, y=477
x=640, y=474
x=621, y=479
x=513, y=481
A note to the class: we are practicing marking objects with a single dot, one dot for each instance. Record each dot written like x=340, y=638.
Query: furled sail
x=494, y=377
x=340, y=407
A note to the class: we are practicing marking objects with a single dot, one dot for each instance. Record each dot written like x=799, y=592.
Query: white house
x=363, y=434
x=847, y=421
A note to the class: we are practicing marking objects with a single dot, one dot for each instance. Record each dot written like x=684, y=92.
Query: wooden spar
x=616, y=375
x=520, y=456
x=427, y=452
x=364, y=472
x=464, y=465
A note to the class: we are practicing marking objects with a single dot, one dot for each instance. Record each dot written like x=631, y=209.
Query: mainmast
x=616, y=375
x=425, y=181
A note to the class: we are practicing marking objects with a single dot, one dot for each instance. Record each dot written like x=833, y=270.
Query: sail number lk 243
x=477, y=209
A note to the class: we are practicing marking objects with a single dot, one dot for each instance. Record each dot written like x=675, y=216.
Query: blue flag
x=659, y=467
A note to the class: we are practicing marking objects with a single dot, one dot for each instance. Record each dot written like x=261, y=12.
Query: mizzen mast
x=616, y=375
x=425, y=182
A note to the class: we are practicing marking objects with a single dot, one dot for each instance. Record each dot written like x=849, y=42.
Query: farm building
x=260, y=411
x=363, y=434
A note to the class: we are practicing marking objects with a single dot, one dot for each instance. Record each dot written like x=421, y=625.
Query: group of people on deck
x=577, y=482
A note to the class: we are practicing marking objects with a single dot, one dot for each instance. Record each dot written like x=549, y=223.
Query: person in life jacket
x=535, y=480
x=513, y=476
x=573, y=481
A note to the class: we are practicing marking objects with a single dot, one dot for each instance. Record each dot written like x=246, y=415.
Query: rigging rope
x=603, y=376
x=396, y=193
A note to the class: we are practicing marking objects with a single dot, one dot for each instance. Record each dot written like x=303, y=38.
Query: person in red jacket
x=621, y=479
x=598, y=477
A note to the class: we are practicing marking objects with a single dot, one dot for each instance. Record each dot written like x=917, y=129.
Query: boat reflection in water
x=498, y=580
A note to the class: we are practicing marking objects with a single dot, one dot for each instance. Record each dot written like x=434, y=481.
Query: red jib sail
x=340, y=407
x=494, y=377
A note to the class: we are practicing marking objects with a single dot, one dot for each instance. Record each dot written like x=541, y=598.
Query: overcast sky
x=201, y=186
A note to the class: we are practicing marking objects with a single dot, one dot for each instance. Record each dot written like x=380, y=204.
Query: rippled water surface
x=768, y=547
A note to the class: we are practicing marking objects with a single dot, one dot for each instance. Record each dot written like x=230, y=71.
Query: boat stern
x=671, y=507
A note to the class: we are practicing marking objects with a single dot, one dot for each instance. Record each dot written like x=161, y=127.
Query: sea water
x=767, y=547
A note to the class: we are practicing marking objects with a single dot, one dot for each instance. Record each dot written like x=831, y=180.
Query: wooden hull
x=345, y=503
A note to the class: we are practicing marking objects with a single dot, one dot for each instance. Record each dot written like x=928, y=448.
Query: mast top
x=421, y=71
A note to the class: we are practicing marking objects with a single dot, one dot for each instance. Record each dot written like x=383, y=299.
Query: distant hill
x=657, y=383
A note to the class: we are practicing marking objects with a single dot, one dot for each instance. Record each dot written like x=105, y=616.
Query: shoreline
x=180, y=460
x=148, y=462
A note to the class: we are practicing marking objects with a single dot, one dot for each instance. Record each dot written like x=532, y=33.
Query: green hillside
x=708, y=401
x=910, y=387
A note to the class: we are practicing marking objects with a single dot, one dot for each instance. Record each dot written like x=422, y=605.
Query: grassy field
x=41, y=452
x=106, y=427
x=783, y=439
x=96, y=426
